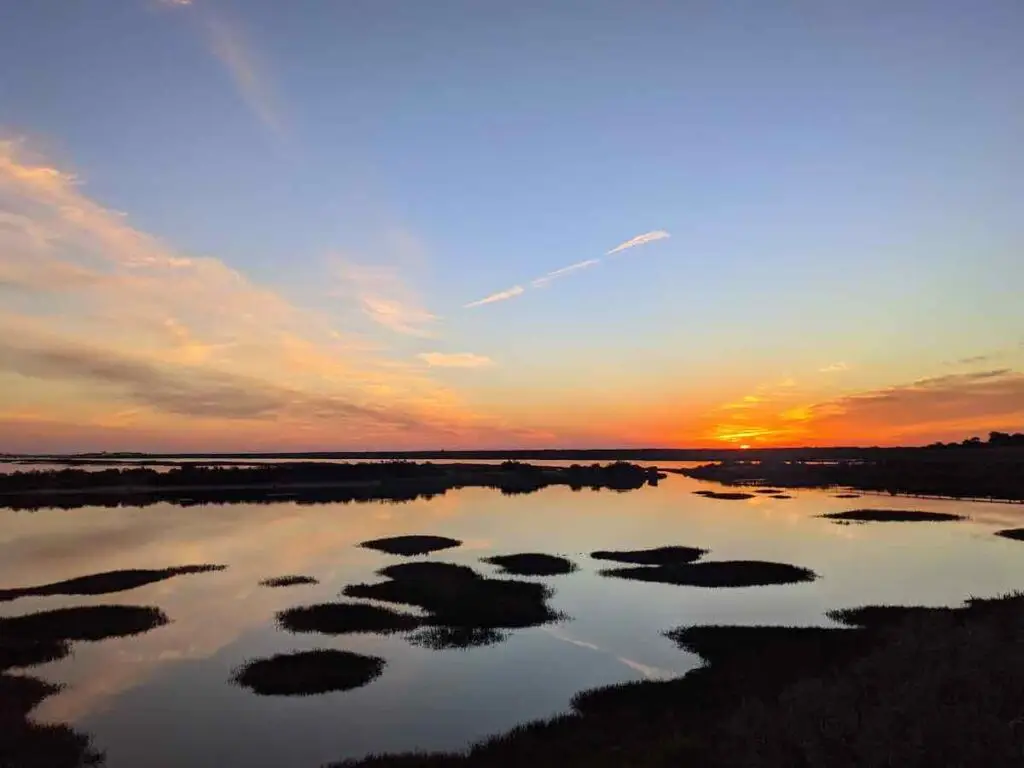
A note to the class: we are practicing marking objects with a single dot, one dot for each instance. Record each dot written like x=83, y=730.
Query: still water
x=163, y=698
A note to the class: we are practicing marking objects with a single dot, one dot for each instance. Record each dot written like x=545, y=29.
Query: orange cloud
x=455, y=360
x=178, y=341
x=941, y=407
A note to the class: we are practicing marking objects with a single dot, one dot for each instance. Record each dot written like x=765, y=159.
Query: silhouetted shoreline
x=302, y=482
x=995, y=474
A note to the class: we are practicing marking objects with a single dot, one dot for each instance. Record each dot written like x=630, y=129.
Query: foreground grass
x=309, y=672
x=532, y=564
x=910, y=687
x=892, y=516
x=106, y=582
x=411, y=545
x=722, y=573
x=673, y=555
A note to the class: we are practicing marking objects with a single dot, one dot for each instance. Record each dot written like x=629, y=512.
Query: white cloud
x=835, y=367
x=540, y=282
x=647, y=237
x=511, y=293
x=455, y=360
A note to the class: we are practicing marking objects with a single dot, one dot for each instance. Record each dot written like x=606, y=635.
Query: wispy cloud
x=546, y=279
x=384, y=297
x=455, y=360
x=228, y=44
x=647, y=237
x=835, y=368
x=975, y=359
x=511, y=293
x=540, y=282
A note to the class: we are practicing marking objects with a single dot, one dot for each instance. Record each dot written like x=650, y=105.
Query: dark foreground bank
x=913, y=687
x=303, y=481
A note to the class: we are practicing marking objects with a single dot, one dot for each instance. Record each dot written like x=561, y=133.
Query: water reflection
x=163, y=698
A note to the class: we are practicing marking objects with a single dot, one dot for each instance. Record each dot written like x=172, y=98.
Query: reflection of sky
x=166, y=692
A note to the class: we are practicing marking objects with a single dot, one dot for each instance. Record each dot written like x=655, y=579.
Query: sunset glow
x=226, y=252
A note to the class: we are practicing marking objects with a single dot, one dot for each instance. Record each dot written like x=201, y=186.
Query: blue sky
x=843, y=183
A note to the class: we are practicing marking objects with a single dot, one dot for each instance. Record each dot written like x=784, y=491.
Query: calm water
x=163, y=698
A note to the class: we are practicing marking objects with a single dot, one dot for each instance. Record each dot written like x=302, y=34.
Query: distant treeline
x=995, y=440
x=964, y=479
x=307, y=482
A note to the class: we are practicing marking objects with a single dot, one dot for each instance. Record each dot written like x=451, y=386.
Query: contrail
x=544, y=280
x=647, y=237
x=500, y=296
x=540, y=282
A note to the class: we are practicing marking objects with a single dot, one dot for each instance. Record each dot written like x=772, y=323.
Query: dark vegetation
x=847, y=495
x=768, y=491
x=411, y=545
x=288, y=581
x=892, y=516
x=89, y=622
x=673, y=555
x=460, y=599
x=914, y=687
x=1012, y=533
x=300, y=481
x=442, y=638
x=995, y=473
x=38, y=638
x=781, y=496
x=723, y=573
x=725, y=495
x=107, y=582
x=532, y=564
x=995, y=440
x=309, y=672
x=345, y=618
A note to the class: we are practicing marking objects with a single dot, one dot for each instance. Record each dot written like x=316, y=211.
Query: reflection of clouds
x=209, y=611
x=649, y=672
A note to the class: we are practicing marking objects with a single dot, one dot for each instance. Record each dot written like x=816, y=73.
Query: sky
x=233, y=225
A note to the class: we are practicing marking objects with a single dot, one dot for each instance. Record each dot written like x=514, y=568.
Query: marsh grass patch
x=457, y=596
x=892, y=516
x=106, y=582
x=88, y=622
x=288, y=581
x=723, y=573
x=532, y=564
x=409, y=546
x=308, y=672
x=1017, y=534
x=346, y=618
x=725, y=495
x=671, y=555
